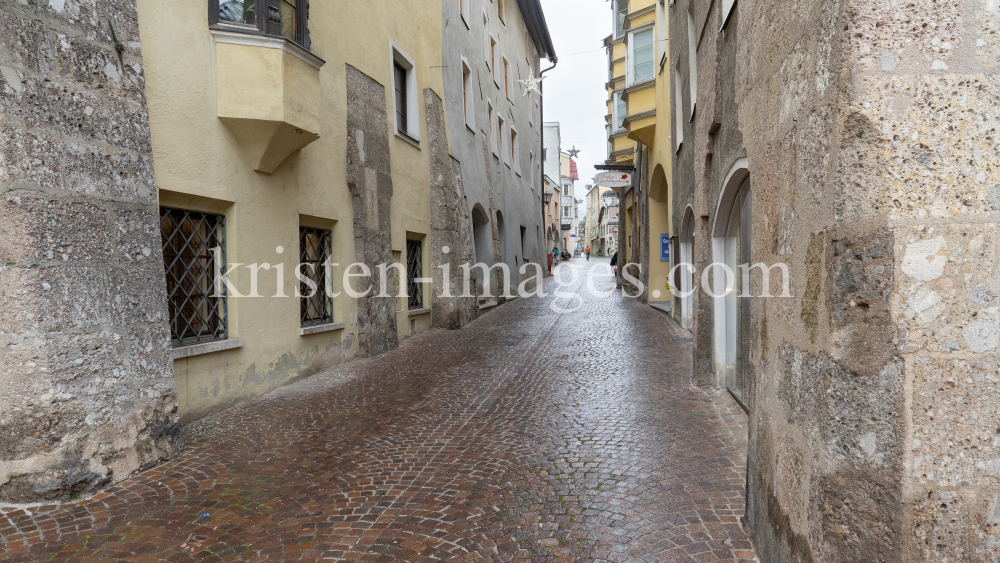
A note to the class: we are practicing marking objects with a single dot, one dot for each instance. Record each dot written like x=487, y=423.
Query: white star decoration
x=573, y=152
x=531, y=83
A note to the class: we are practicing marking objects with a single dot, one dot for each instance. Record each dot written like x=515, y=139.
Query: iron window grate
x=197, y=310
x=414, y=271
x=314, y=253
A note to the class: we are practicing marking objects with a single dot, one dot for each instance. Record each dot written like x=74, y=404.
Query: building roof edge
x=534, y=18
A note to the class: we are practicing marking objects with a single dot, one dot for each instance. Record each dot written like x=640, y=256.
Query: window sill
x=408, y=139
x=206, y=348
x=418, y=312
x=316, y=329
x=253, y=38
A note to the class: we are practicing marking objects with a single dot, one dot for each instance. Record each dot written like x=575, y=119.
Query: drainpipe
x=541, y=152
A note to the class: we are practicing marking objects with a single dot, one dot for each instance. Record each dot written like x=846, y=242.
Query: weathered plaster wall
x=712, y=144
x=86, y=381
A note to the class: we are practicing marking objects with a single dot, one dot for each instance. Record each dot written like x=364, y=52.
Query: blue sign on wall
x=664, y=247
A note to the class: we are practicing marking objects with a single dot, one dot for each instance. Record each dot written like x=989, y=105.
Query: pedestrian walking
x=614, y=263
x=587, y=250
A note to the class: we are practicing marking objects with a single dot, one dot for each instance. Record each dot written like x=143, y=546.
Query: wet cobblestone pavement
x=529, y=436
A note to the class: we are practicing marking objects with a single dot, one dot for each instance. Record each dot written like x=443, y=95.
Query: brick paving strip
x=530, y=435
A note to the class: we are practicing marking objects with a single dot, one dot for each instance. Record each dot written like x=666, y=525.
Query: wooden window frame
x=506, y=77
x=500, y=145
x=400, y=98
x=494, y=44
x=468, y=95
x=267, y=25
x=408, y=125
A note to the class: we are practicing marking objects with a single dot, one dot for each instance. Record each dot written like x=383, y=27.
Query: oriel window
x=280, y=18
x=196, y=296
x=315, y=247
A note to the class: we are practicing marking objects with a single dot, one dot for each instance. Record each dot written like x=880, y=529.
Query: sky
x=574, y=90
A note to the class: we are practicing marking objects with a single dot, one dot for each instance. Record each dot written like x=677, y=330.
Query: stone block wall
x=450, y=226
x=370, y=181
x=86, y=379
x=871, y=133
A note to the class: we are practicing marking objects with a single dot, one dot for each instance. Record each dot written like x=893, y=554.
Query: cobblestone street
x=531, y=435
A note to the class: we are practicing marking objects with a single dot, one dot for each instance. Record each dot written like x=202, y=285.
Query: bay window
x=641, y=55
x=279, y=18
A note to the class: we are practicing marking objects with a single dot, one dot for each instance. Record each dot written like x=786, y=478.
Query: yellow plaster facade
x=592, y=232
x=254, y=128
x=639, y=120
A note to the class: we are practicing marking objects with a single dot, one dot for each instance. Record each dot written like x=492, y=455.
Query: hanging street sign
x=614, y=179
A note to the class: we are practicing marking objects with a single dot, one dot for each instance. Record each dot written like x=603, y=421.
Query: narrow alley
x=529, y=435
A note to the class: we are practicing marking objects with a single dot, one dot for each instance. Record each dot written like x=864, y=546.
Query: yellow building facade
x=638, y=124
x=592, y=232
x=250, y=128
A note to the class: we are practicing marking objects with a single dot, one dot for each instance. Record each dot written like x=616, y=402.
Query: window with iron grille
x=414, y=271
x=197, y=306
x=314, y=253
x=280, y=18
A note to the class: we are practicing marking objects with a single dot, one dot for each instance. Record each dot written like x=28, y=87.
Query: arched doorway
x=685, y=271
x=731, y=238
x=482, y=235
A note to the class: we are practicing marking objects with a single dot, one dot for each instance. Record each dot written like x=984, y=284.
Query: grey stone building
x=854, y=142
x=495, y=126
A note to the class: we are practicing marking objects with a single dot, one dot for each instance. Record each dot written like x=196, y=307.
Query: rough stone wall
x=870, y=129
x=450, y=225
x=87, y=392
x=925, y=92
x=370, y=182
x=827, y=436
